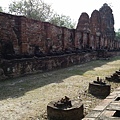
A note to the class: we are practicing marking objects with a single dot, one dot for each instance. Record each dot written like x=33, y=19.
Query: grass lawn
x=26, y=98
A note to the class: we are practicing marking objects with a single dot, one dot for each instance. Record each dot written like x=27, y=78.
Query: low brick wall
x=19, y=67
x=113, y=53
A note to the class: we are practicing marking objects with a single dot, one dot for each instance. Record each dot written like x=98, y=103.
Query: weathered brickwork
x=18, y=67
x=95, y=29
x=21, y=37
x=9, y=33
x=27, y=36
x=107, y=26
x=107, y=21
x=95, y=22
x=83, y=27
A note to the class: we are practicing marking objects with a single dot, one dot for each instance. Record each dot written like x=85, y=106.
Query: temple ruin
x=28, y=46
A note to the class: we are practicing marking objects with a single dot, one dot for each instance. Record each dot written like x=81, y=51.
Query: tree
x=118, y=34
x=62, y=20
x=1, y=10
x=37, y=9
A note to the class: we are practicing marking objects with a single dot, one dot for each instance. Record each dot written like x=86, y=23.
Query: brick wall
x=22, y=38
x=19, y=67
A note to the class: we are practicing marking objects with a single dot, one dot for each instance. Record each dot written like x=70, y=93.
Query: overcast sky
x=74, y=8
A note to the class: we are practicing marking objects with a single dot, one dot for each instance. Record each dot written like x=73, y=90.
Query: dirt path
x=26, y=98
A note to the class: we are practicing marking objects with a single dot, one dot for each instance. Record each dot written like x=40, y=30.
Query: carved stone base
x=99, y=90
x=73, y=113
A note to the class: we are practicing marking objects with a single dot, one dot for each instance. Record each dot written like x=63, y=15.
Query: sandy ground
x=26, y=98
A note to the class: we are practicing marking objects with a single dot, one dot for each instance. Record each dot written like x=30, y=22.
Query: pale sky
x=74, y=8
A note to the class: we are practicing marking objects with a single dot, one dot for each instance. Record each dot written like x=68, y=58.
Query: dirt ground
x=26, y=98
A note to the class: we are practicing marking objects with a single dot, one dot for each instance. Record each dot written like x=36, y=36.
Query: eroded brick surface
x=21, y=37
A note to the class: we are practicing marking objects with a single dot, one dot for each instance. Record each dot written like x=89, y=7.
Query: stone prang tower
x=107, y=22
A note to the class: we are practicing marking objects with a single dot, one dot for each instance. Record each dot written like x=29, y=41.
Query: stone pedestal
x=72, y=113
x=115, y=77
x=118, y=72
x=101, y=90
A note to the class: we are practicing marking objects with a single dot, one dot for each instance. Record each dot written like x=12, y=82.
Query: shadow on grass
x=17, y=87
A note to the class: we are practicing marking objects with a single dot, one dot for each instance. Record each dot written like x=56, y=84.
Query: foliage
x=1, y=10
x=37, y=9
x=118, y=34
x=62, y=20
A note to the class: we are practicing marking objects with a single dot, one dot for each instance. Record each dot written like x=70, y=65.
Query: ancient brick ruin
x=28, y=45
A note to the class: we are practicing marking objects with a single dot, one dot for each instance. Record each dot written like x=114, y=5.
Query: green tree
x=118, y=34
x=1, y=10
x=62, y=20
x=37, y=9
